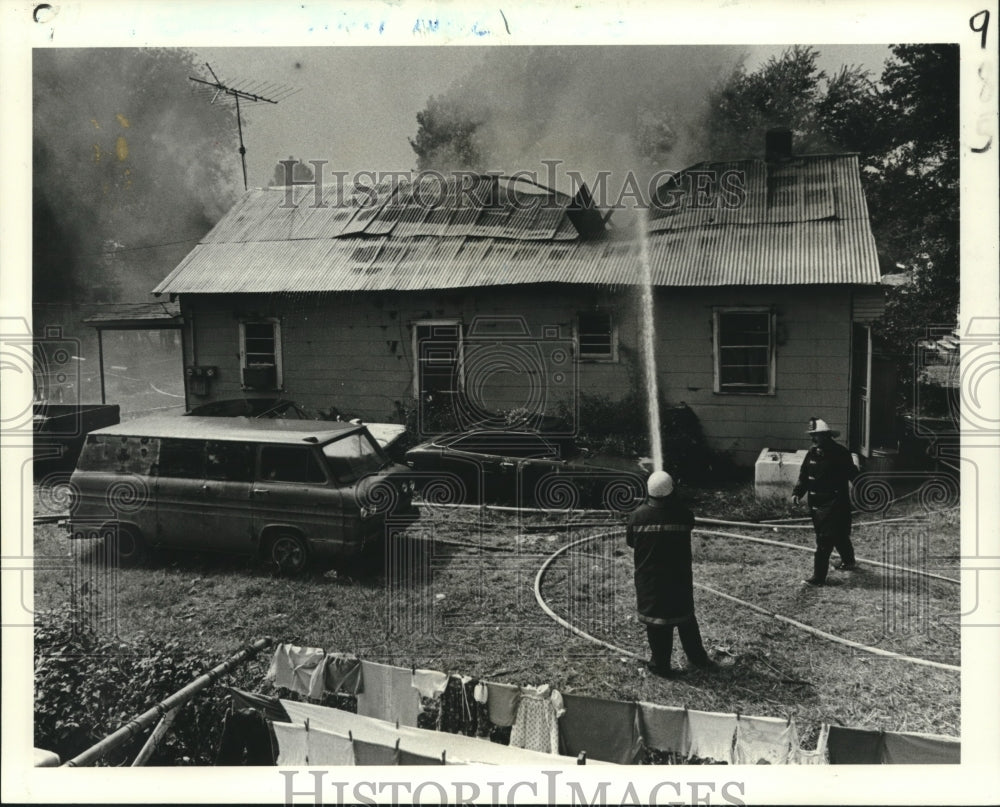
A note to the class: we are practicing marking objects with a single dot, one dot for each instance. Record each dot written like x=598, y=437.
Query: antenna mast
x=224, y=90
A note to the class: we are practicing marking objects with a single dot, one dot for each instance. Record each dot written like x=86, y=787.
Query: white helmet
x=818, y=426
x=660, y=484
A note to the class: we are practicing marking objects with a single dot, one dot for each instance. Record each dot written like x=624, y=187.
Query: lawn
x=457, y=595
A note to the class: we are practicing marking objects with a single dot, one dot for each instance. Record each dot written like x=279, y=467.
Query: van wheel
x=128, y=546
x=288, y=553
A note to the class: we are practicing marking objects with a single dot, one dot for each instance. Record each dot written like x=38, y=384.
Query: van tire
x=288, y=553
x=128, y=547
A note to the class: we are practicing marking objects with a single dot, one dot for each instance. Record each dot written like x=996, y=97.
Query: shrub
x=88, y=685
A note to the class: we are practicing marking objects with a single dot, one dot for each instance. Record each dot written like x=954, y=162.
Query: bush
x=88, y=685
x=620, y=427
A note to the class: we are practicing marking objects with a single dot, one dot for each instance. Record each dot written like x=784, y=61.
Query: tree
x=301, y=172
x=904, y=127
x=130, y=168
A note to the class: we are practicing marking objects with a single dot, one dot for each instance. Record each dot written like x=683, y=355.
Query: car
x=252, y=408
x=523, y=468
x=291, y=491
x=387, y=435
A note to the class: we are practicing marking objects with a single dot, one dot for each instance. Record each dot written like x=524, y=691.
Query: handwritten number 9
x=983, y=27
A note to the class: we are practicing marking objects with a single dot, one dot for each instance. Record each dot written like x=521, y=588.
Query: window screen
x=744, y=351
x=595, y=332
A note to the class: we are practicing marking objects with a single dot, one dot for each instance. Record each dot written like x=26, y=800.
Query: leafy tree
x=126, y=157
x=904, y=127
x=301, y=172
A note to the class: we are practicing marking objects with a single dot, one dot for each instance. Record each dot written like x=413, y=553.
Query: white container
x=776, y=472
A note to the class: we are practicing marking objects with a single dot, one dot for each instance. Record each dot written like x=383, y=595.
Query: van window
x=229, y=461
x=182, y=458
x=353, y=457
x=107, y=452
x=290, y=464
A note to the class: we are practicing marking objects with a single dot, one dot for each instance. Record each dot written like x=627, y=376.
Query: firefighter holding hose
x=826, y=476
x=660, y=533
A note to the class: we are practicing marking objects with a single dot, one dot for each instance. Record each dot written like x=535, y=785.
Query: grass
x=470, y=610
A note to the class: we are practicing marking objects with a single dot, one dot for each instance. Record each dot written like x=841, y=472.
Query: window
x=744, y=351
x=437, y=353
x=229, y=461
x=290, y=464
x=354, y=456
x=506, y=444
x=260, y=353
x=183, y=459
x=105, y=452
x=597, y=336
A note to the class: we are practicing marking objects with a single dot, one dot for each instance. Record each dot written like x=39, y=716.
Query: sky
x=356, y=106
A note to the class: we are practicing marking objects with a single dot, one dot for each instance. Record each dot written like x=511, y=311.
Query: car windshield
x=354, y=456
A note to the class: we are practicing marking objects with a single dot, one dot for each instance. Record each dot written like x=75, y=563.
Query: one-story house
x=766, y=284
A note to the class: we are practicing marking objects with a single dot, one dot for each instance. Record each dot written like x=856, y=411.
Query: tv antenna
x=253, y=93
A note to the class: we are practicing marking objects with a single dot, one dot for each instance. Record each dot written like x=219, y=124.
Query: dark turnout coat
x=825, y=475
x=660, y=533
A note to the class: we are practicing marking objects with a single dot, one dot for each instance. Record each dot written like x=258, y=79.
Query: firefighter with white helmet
x=659, y=532
x=826, y=475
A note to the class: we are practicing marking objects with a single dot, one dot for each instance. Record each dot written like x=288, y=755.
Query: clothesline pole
x=179, y=698
x=155, y=737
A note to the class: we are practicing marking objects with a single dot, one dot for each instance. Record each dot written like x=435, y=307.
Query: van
x=289, y=491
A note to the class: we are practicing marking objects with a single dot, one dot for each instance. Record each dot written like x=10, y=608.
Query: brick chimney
x=778, y=145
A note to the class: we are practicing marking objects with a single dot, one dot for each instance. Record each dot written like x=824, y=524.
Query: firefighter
x=826, y=476
x=660, y=533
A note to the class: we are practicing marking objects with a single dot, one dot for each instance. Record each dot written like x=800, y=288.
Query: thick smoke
x=126, y=157
x=616, y=109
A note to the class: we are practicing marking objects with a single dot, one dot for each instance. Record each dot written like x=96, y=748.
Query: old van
x=291, y=491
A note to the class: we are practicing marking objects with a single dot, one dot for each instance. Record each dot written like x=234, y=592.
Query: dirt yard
x=458, y=595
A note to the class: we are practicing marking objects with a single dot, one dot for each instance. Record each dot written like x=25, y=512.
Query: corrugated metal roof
x=136, y=315
x=802, y=221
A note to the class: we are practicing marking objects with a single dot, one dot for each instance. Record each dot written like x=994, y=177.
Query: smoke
x=615, y=109
x=130, y=169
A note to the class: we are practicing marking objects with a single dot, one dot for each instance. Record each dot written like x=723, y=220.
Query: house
x=518, y=297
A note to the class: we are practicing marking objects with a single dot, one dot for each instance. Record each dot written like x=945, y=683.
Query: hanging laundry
x=457, y=714
x=387, y=694
x=664, y=727
x=366, y=753
x=342, y=673
x=502, y=701
x=429, y=683
x=292, y=748
x=300, y=669
x=765, y=741
x=269, y=706
x=606, y=730
x=484, y=728
x=327, y=748
x=847, y=746
x=817, y=756
x=412, y=758
x=246, y=739
x=536, y=726
x=920, y=749
x=711, y=735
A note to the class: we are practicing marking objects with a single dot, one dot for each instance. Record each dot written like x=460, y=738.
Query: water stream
x=648, y=346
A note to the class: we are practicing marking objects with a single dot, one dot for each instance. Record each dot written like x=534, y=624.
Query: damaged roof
x=802, y=220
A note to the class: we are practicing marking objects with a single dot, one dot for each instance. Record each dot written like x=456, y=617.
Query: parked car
x=252, y=408
x=387, y=435
x=525, y=468
x=291, y=491
x=60, y=429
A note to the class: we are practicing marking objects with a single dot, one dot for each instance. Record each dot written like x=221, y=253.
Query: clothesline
x=543, y=720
